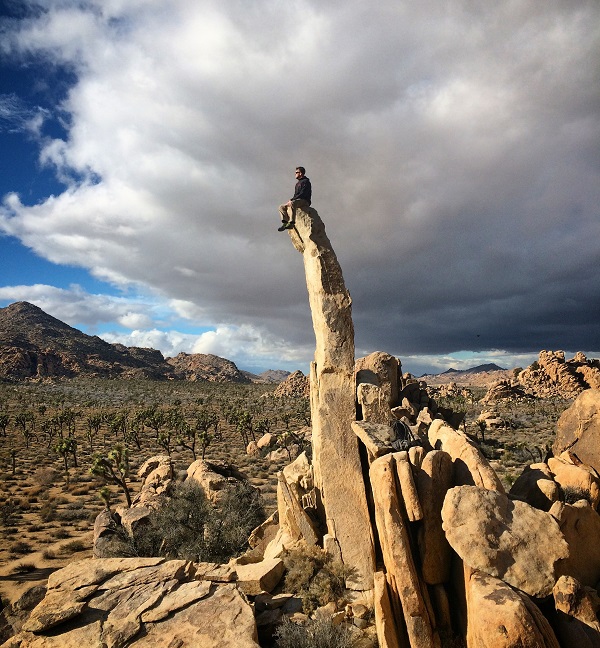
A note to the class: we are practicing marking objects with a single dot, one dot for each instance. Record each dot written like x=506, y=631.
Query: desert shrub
x=8, y=513
x=73, y=547
x=572, y=494
x=314, y=576
x=23, y=568
x=20, y=547
x=192, y=528
x=315, y=633
x=48, y=554
x=48, y=511
x=45, y=476
x=61, y=533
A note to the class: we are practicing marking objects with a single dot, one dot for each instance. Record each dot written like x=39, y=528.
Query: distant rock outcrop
x=296, y=385
x=205, y=366
x=552, y=375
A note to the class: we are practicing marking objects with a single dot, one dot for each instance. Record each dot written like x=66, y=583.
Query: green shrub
x=314, y=576
x=315, y=633
x=190, y=527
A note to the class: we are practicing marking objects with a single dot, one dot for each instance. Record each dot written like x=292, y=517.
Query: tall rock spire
x=336, y=460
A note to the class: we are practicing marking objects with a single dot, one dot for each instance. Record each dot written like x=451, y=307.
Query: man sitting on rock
x=301, y=198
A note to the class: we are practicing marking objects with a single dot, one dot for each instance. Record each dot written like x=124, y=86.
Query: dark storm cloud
x=453, y=149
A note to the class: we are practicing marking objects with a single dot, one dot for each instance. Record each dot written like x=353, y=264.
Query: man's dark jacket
x=303, y=190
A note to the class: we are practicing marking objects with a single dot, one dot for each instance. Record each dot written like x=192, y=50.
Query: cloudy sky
x=453, y=147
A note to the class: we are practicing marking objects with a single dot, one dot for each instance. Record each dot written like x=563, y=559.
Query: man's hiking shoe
x=290, y=225
x=284, y=226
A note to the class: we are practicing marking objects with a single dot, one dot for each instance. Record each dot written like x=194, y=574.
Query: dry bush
x=45, y=476
x=73, y=547
x=20, y=547
x=315, y=633
x=314, y=576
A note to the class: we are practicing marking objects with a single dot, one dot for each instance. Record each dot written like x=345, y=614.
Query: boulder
x=434, y=478
x=505, y=539
x=376, y=437
x=576, y=613
x=266, y=441
x=500, y=617
x=579, y=524
x=214, y=477
x=380, y=369
x=470, y=466
x=408, y=594
x=263, y=576
x=578, y=429
x=536, y=486
x=373, y=403
x=575, y=479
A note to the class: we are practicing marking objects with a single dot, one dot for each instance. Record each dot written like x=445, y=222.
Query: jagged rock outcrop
x=552, y=375
x=296, y=385
x=578, y=429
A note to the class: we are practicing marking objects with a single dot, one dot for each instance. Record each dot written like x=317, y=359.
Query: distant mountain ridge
x=478, y=369
x=36, y=345
x=480, y=375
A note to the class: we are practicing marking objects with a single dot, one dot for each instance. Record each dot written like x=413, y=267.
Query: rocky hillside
x=35, y=345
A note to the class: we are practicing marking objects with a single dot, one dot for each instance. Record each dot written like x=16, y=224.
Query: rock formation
x=578, y=429
x=337, y=465
x=117, y=602
x=552, y=375
x=296, y=385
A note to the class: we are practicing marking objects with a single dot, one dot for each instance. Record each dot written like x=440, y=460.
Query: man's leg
x=283, y=212
x=302, y=204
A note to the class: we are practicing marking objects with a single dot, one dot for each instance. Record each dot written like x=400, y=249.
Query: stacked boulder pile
x=455, y=556
x=553, y=375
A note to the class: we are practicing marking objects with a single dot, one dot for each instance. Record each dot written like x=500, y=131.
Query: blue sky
x=453, y=149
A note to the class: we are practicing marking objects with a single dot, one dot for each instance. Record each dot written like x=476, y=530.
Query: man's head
x=300, y=171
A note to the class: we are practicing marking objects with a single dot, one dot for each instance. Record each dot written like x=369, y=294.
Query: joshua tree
x=94, y=423
x=4, y=421
x=114, y=468
x=65, y=447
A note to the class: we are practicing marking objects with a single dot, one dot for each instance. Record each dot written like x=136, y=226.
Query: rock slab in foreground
x=506, y=539
x=139, y=602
